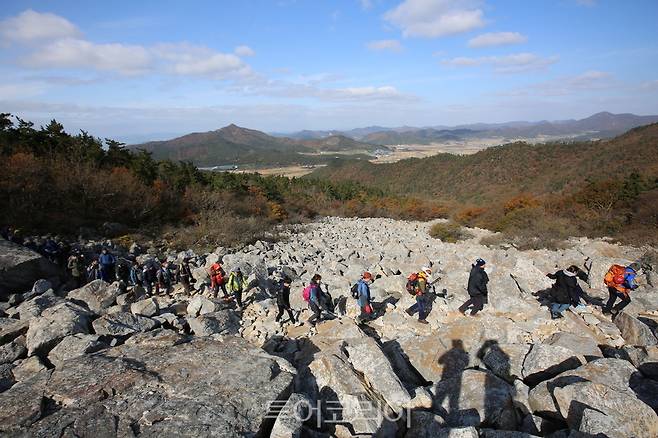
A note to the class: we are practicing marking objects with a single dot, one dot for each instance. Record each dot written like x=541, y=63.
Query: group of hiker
x=159, y=277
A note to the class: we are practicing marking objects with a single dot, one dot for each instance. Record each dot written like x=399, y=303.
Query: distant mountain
x=600, y=125
x=510, y=169
x=237, y=145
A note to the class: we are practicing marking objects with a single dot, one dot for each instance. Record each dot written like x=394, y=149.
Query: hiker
x=135, y=273
x=75, y=266
x=565, y=291
x=217, y=279
x=237, y=284
x=417, y=285
x=107, y=263
x=477, y=288
x=163, y=277
x=185, y=274
x=283, y=299
x=149, y=277
x=123, y=271
x=620, y=281
x=50, y=250
x=311, y=295
x=93, y=271
x=363, y=291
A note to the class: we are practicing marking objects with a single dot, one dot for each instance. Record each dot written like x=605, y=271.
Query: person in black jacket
x=566, y=291
x=283, y=299
x=477, y=288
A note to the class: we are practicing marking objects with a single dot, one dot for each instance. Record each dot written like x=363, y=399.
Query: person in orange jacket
x=218, y=279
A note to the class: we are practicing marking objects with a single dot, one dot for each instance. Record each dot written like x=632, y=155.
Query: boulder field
x=104, y=361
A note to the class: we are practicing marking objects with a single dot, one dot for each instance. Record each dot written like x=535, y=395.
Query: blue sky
x=149, y=69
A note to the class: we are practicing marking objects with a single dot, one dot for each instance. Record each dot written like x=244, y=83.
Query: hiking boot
x=422, y=321
x=463, y=312
x=606, y=311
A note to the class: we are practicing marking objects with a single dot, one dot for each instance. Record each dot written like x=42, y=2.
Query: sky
x=145, y=70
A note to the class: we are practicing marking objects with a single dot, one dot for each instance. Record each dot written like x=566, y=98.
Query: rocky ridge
x=100, y=361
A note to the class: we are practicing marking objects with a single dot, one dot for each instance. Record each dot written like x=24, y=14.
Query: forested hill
x=504, y=171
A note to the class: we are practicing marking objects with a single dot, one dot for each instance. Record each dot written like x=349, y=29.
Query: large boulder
x=546, y=361
x=97, y=295
x=367, y=358
x=224, y=322
x=123, y=324
x=21, y=267
x=603, y=385
x=13, y=351
x=582, y=345
x=634, y=331
x=200, y=305
x=291, y=417
x=475, y=398
x=163, y=390
x=146, y=307
x=74, y=346
x=35, y=306
x=55, y=323
x=505, y=360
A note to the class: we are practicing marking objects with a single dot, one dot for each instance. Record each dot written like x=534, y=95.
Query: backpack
x=355, y=291
x=412, y=284
x=306, y=293
x=615, y=277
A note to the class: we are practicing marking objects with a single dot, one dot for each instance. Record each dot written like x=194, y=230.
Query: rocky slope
x=98, y=361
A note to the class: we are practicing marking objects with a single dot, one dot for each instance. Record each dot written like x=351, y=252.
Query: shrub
x=467, y=216
x=449, y=232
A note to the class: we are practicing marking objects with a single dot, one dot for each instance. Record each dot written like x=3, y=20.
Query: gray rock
x=147, y=307
x=22, y=404
x=55, y=323
x=506, y=360
x=200, y=305
x=37, y=305
x=12, y=329
x=224, y=322
x=25, y=369
x=41, y=286
x=547, y=361
x=163, y=389
x=583, y=345
x=7, y=379
x=475, y=398
x=21, y=267
x=291, y=417
x=12, y=351
x=74, y=346
x=634, y=331
x=97, y=295
x=123, y=324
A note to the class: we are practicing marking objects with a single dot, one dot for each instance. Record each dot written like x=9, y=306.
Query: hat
x=237, y=269
x=367, y=276
x=635, y=266
x=480, y=262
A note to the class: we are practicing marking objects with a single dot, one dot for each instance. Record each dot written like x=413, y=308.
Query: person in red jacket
x=218, y=279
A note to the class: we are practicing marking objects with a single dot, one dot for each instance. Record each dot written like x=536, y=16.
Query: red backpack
x=615, y=276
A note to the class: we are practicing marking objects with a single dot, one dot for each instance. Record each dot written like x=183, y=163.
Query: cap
x=480, y=262
x=367, y=276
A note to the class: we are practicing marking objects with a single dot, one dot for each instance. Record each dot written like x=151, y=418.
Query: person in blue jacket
x=364, y=296
x=107, y=263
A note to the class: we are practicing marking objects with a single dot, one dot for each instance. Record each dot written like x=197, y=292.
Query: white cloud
x=30, y=26
x=590, y=80
x=514, y=63
x=75, y=53
x=497, y=39
x=385, y=45
x=435, y=18
x=244, y=51
x=366, y=4
x=187, y=59
x=650, y=85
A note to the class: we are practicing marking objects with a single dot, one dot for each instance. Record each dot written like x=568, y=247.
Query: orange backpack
x=615, y=276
